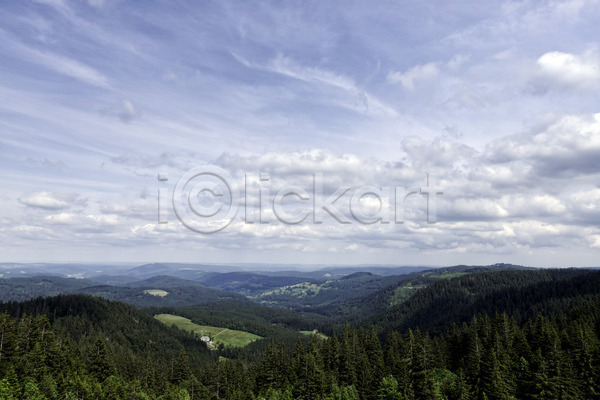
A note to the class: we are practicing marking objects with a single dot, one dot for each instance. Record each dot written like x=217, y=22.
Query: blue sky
x=498, y=99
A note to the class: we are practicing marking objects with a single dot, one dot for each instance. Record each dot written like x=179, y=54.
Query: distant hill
x=69, y=270
x=249, y=283
x=327, y=298
x=179, y=270
x=176, y=296
x=341, y=271
x=336, y=272
x=362, y=293
x=179, y=292
x=22, y=289
x=404, y=288
x=358, y=275
x=166, y=281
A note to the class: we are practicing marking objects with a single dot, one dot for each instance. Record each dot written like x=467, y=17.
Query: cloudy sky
x=497, y=101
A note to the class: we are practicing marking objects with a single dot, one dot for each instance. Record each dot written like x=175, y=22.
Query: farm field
x=228, y=337
x=315, y=332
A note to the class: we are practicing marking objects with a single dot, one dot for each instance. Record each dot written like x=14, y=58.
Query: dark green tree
x=100, y=365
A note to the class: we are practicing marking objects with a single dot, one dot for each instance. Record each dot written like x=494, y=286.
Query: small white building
x=205, y=339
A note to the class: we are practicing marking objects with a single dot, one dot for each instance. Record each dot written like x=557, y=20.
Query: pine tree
x=7, y=392
x=343, y=393
x=7, y=334
x=99, y=362
x=49, y=387
x=374, y=354
x=348, y=350
x=314, y=382
x=273, y=368
x=462, y=390
x=495, y=383
x=584, y=350
x=12, y=379
x=298, y=362
x=388, y=390
x=31, y=391
x=474, y=359
x=392, y=353
x=36, y=362
x=181, y=368
x=332, y=361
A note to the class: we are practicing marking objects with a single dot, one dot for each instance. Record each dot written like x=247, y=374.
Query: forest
x=507, y=334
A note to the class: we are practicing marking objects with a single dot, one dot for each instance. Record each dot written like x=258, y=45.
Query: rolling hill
x=520, y=293
x=179, y=292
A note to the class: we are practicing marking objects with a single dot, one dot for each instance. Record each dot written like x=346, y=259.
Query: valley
x=303, y=334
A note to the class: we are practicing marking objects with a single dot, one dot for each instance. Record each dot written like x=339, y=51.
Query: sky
x=316, y=132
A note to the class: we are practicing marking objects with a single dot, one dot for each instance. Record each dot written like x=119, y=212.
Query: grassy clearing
x=156, y=292
x=403, y=293
x=315, y=332
x=228, y=337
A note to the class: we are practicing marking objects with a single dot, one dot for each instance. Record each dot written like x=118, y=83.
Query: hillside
x=215, y=336
x=320, y=297
x=128, y=330
x=361, y=295
x=521, y=294
x=247, y=316
x=249, y=283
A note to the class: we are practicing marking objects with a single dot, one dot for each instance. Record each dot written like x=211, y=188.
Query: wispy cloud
x=287, y=67
x=319, y=76
x=61, y=64
x=69, y=67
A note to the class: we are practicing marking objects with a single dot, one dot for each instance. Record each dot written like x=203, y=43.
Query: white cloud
x=570, y=70
x=416, y=74
x=531, y=204
x=50, y=201
x=62, y=218
x=586, y=202
x=595, y=241
x=567, y=146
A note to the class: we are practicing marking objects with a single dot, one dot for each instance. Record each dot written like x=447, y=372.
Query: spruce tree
x=100, y=365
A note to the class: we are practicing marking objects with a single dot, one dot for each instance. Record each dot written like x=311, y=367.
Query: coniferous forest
x=539, y=338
